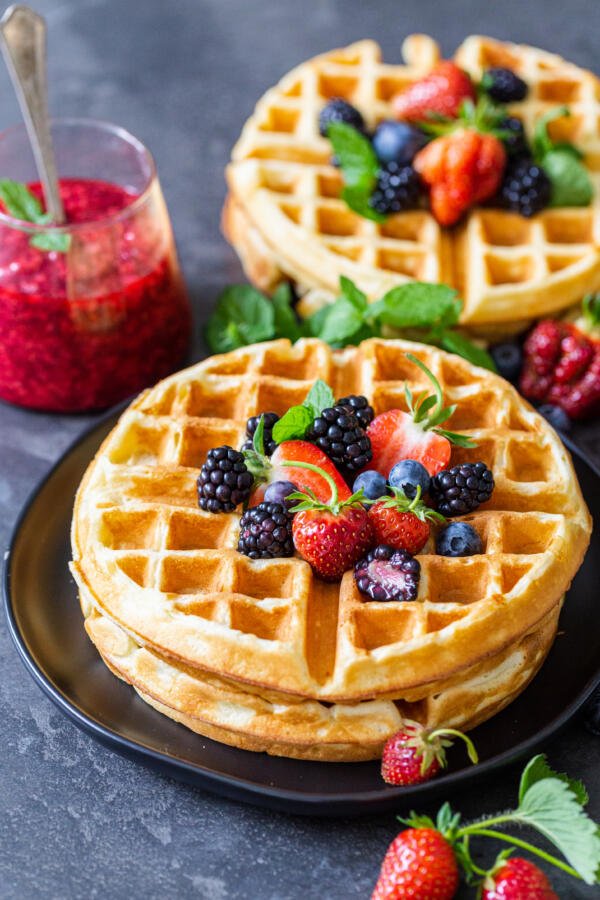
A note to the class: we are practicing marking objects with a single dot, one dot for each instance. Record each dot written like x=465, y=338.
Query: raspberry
x=252, y=424
x=360, y=407
x=461, y=489
x=398, y=188
x=338, y=433
x=503, y=85
x=266, y=532
x=525, y=188
x=224, y=480
x=388, y=574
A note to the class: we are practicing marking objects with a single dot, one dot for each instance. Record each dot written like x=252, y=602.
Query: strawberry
x=290, y=452
x=461, y=168
x=441, y=92
x=561, y=362
x=517, y=879
x=413, y=755
x=420, y=864
x=402, y=523
x=332, y=535
x=416, y=434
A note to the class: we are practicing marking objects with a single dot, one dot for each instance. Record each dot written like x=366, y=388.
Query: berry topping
x=442, y=91
x=461, y=489
x=279, y=491
x=517, y=879
x=556, y=416
x=414, y=755
x=330, y=536
x=408, y=475
x=397, y=142
x=388, y=574
x=416, y=435
x=525, y=188
x=288, y=464
x=337, y=432
x=338, y=110
x=420, y=864
x=508, y=358
x=398, y=188
x=270, y=445
x=266, y=532
x=224, y=481
x=458, y=539
x=514, y=137
x=360, y=407
x=503, y=85
x=372, y=484
x=402, y=523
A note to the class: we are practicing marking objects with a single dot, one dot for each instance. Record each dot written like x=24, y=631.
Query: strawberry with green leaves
x=401, y=522
x=416, y=434
x=420, y=864
x=441, y=92
x=414, y=755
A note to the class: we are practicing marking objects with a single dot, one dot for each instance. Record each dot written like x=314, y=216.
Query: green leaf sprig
x=561, y=161
x=359, y=167
x=416, y=310
x=21, y=204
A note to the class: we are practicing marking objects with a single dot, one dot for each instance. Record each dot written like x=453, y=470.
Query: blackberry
x=266, y=532
x=503, y=85
x=461, y=489
x=224, y=481
x=338, y=110
x=525, y=188
x=516, y=140
x=388, y=574
x=252, y=424
x=360, y=407
x=398, y=188
x=338, y=433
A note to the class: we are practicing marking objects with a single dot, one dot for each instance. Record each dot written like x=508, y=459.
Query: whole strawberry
x=420, y=864
x=517, y=879
x=440, y=92
x=330, y=536
x=414, y=755
x=402, y=523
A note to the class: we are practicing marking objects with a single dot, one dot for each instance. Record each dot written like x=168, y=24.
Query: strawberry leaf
x=258, y=441
x=537, y=769
x=460, y=440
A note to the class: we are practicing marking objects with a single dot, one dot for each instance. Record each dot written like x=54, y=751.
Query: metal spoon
x=23, y=43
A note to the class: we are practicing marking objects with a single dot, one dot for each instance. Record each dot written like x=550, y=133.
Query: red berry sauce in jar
x=84, y=329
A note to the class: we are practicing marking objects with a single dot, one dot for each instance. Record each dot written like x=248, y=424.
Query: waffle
x=263, y=655
x=284, y=216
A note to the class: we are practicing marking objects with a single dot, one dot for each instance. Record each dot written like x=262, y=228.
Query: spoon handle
x=23, y=43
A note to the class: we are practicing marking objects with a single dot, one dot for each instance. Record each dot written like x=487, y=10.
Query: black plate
x=46, y=625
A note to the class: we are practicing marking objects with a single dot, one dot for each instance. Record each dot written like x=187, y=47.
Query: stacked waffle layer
x=262, y=654
x=285, y=218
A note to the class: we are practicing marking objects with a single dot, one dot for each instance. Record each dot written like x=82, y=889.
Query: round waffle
x=286, y=220
x=149, y=562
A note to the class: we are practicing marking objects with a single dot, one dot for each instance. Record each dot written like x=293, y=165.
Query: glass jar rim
x=105, y=125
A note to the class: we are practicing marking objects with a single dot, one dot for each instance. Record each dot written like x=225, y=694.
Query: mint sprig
x=294, y=424
x=359, y=167
x=561, y=161
x=416, y=310
x=21, y=204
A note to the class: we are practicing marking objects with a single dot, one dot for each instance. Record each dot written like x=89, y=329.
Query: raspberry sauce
x=84, y=329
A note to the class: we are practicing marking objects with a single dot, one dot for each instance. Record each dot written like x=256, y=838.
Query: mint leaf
x=358, y=200
x=285, y=321
x=258, y=441
x=319, y=397
x=293, y=425
x=242, y=316
x=20, y=203
x=455, y=342
x=356, y=156
x=51, y=240
x=418, y=305
x=550, y=806
x=538, y=768
x=542, y=142
x=342, y=321
x=353, y=294
x=571, y=184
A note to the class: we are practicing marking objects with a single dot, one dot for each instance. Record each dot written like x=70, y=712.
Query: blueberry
x=397, y=142
x=407, y=475
x=373, y=484
x=556, y=416
x=509, y=359
x=278, y=491
x=458, y=539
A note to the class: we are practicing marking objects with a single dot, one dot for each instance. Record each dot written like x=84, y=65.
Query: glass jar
x=106, y=315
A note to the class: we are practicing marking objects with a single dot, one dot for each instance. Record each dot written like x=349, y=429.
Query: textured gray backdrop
x=77, y=821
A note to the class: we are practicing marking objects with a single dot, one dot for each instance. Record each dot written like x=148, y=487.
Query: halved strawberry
x=283, y=469
x=416, y=434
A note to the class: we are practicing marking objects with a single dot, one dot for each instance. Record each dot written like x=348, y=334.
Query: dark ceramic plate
x=46, y=625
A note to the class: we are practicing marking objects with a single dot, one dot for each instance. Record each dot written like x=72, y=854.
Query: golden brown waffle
x=285, y=218
x=168, y=574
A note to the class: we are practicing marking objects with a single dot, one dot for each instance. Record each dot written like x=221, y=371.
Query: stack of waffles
x=261, y=654
x=286, y=220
